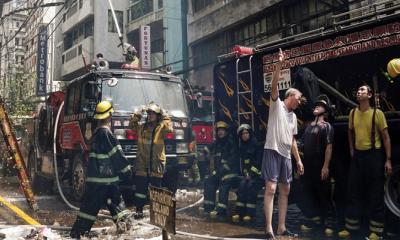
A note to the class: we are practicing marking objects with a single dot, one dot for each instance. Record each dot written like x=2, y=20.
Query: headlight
x=182, y=148
x=179, y=134
x=119, y=133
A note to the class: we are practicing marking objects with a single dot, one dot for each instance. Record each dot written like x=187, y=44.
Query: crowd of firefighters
x=238, y=161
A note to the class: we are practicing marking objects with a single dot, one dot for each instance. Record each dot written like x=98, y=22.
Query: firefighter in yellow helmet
x=150, y=159
x=106, y=163
x=224, y=171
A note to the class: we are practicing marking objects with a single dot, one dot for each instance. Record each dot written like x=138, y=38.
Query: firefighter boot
x=236, y=218
x=247, y=219
x=139, y=213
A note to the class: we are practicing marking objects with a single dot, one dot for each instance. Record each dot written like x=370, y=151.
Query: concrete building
x=12, y=51
x=89, y=29
x=215, y=26
x=167, y=21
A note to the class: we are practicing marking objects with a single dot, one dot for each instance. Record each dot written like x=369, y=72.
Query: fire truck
x=331, y=61
x=127, y=90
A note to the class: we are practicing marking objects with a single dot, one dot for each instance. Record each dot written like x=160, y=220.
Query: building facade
x=12, y=51
x=88, y=28
x=215, y=26
x=167, y=21
x=49, y=18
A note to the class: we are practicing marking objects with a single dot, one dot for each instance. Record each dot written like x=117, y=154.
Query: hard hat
x=154, y=107
x=103, y=110
x=221, y=124
x=393, y=67
x=243, y=127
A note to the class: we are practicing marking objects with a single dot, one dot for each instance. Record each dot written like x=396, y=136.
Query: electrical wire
x=30, y=14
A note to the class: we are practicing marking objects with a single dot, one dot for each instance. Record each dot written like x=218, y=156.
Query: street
x=56, y=215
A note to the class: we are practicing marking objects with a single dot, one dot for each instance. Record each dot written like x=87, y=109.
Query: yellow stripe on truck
x=19, y=212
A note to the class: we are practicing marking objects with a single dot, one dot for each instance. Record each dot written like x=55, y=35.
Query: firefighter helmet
x=243, y=127
x=103, y=110
x=393, y=67
x=221, y=124
x=323, y=100
x=154, y=108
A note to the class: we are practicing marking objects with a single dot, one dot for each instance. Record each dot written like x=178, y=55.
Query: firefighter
x=250, y=152
x=193, y=171
x=368, y=133
x=132, y=61
x=224, y=169
x=317, y=202
x=151, y=159
x=106, y=163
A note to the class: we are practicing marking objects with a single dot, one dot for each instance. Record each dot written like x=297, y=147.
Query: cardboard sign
x=162, y=209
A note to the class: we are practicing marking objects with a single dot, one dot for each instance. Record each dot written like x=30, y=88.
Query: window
x=120, y=18
x=198, y=5
x=160, y=4
x=139, y=9
x=16, y=41
x=17, y=23
x=69, y=110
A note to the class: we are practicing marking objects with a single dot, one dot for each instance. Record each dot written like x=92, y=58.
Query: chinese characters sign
x=41, y=67
x=356, y=42
x=145, y=47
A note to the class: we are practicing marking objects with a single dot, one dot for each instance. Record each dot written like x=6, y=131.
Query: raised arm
x=276, y=75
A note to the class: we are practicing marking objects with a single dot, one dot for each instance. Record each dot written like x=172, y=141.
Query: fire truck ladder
x=13, y=148
x=245, y=94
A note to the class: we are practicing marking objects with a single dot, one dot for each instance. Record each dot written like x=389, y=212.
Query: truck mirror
x=112, y=82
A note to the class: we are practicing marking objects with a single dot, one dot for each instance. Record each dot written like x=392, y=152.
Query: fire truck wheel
x=392, y=191
x=78, y=177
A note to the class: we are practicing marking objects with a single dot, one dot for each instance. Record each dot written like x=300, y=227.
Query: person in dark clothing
x=250, y=152
x=224, y=171
x=106, y=163
x=317, y=198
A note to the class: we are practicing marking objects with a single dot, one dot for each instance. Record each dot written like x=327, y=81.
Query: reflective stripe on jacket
x=106, y=159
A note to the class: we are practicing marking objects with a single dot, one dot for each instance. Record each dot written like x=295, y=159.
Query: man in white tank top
x=280, y=143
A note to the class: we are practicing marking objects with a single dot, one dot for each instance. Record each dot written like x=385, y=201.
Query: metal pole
x=121, y=38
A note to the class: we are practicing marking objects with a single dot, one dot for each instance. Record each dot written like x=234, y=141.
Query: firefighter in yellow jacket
x=151, y=159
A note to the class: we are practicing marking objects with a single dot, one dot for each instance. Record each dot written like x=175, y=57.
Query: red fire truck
x=128, y=90
x=333, y=62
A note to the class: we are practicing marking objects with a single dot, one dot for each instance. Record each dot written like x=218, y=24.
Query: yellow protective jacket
x=150, y=144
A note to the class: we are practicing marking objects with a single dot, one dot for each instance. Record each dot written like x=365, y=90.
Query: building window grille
x=139, y=9
x=120, y=18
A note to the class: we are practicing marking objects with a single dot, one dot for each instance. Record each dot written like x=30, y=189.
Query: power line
x=30, y=8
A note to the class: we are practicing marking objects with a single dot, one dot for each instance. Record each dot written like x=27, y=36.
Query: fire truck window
x=70, y=101
x=77, y=99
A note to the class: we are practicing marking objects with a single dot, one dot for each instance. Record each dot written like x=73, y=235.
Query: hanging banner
x=369, y=39
x=145, y=47
x=41, y=67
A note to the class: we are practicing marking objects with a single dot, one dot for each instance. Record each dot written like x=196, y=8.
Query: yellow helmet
x=103, y=110
x=154, y=107
x=221, y=124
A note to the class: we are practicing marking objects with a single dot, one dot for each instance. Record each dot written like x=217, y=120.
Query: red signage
x=352, y=43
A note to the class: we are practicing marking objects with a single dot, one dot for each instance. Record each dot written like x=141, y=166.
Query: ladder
x=11, y=141
x=245, y=107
